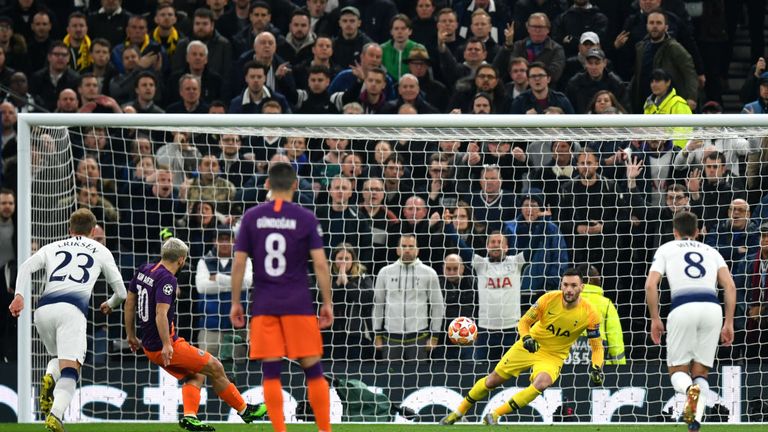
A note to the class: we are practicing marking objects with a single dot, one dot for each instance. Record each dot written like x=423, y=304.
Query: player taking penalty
x=279, y=236
x=693, y=270
x=153, y=290
x=72, y=267
x=547, y=331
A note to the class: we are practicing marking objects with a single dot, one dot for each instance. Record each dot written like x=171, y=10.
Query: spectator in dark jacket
x=525, y=8
x=486, y=80
x=315, y=99
x=370, y=58
x=736, y=236
x=451, y=70
x=424, y=23
x=351, y=336
x=41, y=82
x=150, y=52
x=594, y=217
x=433, y=91
x=583, y=87
x=497, y=10
x=375, y=16
x=539, y=239
x=234, y=20
x=537, y=47
x=322, y=51
x=256, y=92
x=212, y=86
x=264, y=52
x=635, y=30
x=348, y=45
x=220, y=53
x=540, y=96
x=371, y=93
x=341, y=222
x=109, y=22
x=713, y=190
x=146, y=211
x=582, y=17
x=259, y=21
x=409, y=93
x=660, y=51
x=297, y=46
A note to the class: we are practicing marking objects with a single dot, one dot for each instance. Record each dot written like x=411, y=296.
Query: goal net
x=550, y=192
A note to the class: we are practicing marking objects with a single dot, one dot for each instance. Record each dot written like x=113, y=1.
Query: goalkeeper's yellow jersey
x=557, y=328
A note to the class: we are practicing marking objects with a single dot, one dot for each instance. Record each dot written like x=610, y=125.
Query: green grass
x=263, y=427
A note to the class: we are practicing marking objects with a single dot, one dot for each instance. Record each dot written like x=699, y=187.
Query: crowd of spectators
x=442, y=213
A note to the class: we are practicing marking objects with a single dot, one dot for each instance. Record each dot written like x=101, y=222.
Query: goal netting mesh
x=561, y=197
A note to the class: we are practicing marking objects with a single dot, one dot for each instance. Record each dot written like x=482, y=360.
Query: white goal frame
x=437, y=122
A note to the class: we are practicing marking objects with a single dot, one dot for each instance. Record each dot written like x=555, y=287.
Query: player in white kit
x=693, y=270
x=72, y=267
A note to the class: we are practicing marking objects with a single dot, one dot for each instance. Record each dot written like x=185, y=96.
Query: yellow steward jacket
x=610, y=327
x=671, y=104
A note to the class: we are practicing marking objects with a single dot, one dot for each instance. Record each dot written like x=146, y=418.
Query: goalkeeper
x=547, y=331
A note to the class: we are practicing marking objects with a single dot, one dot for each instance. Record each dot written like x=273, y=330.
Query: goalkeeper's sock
x=519, y=400
x=53, y=369
x=680, y=382
x=702, y=405
x=190, y=398
x=478, y=392
x=273, y=394
x=64, y=391
x=319, y=397
x=231, y=395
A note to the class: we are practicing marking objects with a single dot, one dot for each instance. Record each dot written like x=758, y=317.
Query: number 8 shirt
x=695, y=317
x=691, y=269
x=278, y=236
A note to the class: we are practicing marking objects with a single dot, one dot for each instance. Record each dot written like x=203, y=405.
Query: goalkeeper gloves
x=530, y=344
x=596, y=374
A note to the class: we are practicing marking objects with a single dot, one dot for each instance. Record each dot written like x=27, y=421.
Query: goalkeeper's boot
x=253, y=413
x=491, y=419
x=450, y=419
x=191, y=423
x=53, y=424
x=46, y=394
x=692, y=400
x=694, y=426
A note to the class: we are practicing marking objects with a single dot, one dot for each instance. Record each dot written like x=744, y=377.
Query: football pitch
x=264, y=427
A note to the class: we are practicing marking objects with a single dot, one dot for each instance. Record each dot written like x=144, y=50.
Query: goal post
x=44, y=200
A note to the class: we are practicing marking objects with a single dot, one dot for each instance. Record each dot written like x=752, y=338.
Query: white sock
x=64, y=391
x=681, y=381
x=702, y=405
x=53, y=369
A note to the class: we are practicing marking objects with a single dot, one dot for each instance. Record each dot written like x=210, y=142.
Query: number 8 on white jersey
x=691, y=268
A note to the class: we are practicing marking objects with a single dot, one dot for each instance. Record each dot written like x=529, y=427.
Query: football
x=462, y=331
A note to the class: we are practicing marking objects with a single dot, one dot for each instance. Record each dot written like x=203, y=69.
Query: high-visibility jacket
x=610, y=327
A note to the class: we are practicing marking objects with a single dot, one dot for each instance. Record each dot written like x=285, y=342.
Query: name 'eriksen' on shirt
x=74, y=243
x=276, y=223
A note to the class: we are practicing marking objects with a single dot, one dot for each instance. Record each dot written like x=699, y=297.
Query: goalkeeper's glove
x=165, y=234
x=530, y=344
x=596, y=374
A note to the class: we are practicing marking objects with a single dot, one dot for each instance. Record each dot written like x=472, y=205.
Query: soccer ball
x=462, y=331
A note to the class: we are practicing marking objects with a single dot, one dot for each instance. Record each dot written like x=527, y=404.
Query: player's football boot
x=53, y=424
x=194, y=424
x=692, y=400
x=694, y=426
x=253, y=413
x=450, y=419
x=46, y=394
x=491, y=419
